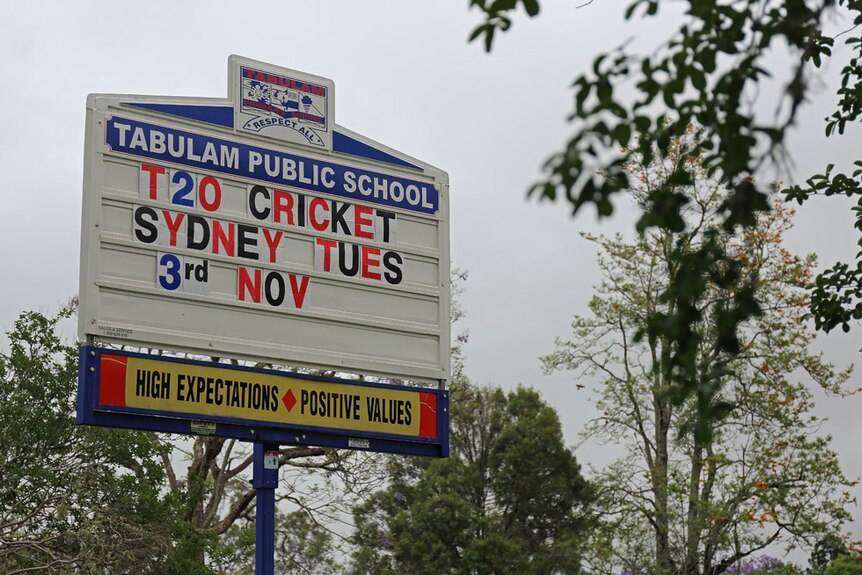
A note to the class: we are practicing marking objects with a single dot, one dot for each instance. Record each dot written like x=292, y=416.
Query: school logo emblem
x=289, y=108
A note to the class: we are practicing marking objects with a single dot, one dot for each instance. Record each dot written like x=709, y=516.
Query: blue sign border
x=426, y=199
x=91, y=413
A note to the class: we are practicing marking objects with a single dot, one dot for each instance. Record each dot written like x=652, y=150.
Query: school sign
x=256, y=228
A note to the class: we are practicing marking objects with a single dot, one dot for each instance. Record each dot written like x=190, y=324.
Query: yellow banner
x=268, y=397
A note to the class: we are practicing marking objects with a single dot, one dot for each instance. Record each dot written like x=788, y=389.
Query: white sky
x=404, y=76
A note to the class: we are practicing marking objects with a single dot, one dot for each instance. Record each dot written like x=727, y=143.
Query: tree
x=80, y=499
x=711, y=72
x=845, y=565
x=72, y=499
x=825, y=551
x=216, y=495
x=510, y=499
x=302, y=546
x=681, y=500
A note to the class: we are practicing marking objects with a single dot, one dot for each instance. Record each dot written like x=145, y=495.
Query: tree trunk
x=693, y=519
x=664, y=563
x=663, y=411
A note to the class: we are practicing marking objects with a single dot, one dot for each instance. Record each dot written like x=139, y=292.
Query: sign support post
x=265, y=480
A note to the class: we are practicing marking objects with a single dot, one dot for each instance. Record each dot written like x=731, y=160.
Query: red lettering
x=298, y=290
x=228, y=242
x=154, y=172
x=360, y=213
x=282, y=203
x=205, y=182
x=328, y=246
x=173, y=225
x=368, y=262
x=272, y=242
x=249, y=286
x=319, y=225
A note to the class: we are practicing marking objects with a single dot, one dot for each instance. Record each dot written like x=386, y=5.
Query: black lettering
x=273, y=399
x=243, y=393
x=342, y=259
x=255, y=396
x=274, y=299
x=202, y=271
x=300, y=210
x=141, y=382
x=386, y=217
x=165, y=391
x=194, y=223
x=408, y=416
x=234, y=395
x=394, y=275
x=303, y=401
x=343, y=405
x=190, y=394
x=338, y=211
x=247, y=237
x=373, y=409
x=210, y=390
x=252, y=207
x=148, y=226
x=219, y=394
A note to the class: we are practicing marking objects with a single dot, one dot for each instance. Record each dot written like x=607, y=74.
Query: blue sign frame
x=91, y=412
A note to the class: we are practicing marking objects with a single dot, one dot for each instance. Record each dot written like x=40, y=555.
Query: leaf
x=698, y=79
x=532, y=7
x=489, y=38
x=478, y=31
x=642, y=123
x=622, y=133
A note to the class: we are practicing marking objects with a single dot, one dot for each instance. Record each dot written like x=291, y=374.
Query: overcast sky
x=404, y=76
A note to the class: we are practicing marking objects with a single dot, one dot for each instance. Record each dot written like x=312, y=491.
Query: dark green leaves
x=709, y=73
x=836, y=296
x=510, y=499
x=72, y=497
x=496, y=17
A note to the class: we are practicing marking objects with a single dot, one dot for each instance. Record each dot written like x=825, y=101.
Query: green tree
x=302, y=546
x=79, y=499
x=711, y=71
x=72, y=499
x=510, y=499
x=845, y=565
x=215, y=495
x=681, y=501
x=825, y=551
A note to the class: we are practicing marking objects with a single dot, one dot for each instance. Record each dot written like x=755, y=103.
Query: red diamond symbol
x=289, y=400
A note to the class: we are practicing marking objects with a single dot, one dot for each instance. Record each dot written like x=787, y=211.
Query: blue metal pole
x=265, y=480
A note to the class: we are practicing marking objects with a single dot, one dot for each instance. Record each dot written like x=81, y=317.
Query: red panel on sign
x=427, y=415
x=112, y=381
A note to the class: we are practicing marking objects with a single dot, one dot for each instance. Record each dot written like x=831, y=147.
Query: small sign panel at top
x=283, y=104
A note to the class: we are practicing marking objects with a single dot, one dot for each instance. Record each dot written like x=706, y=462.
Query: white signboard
x=255, y=227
